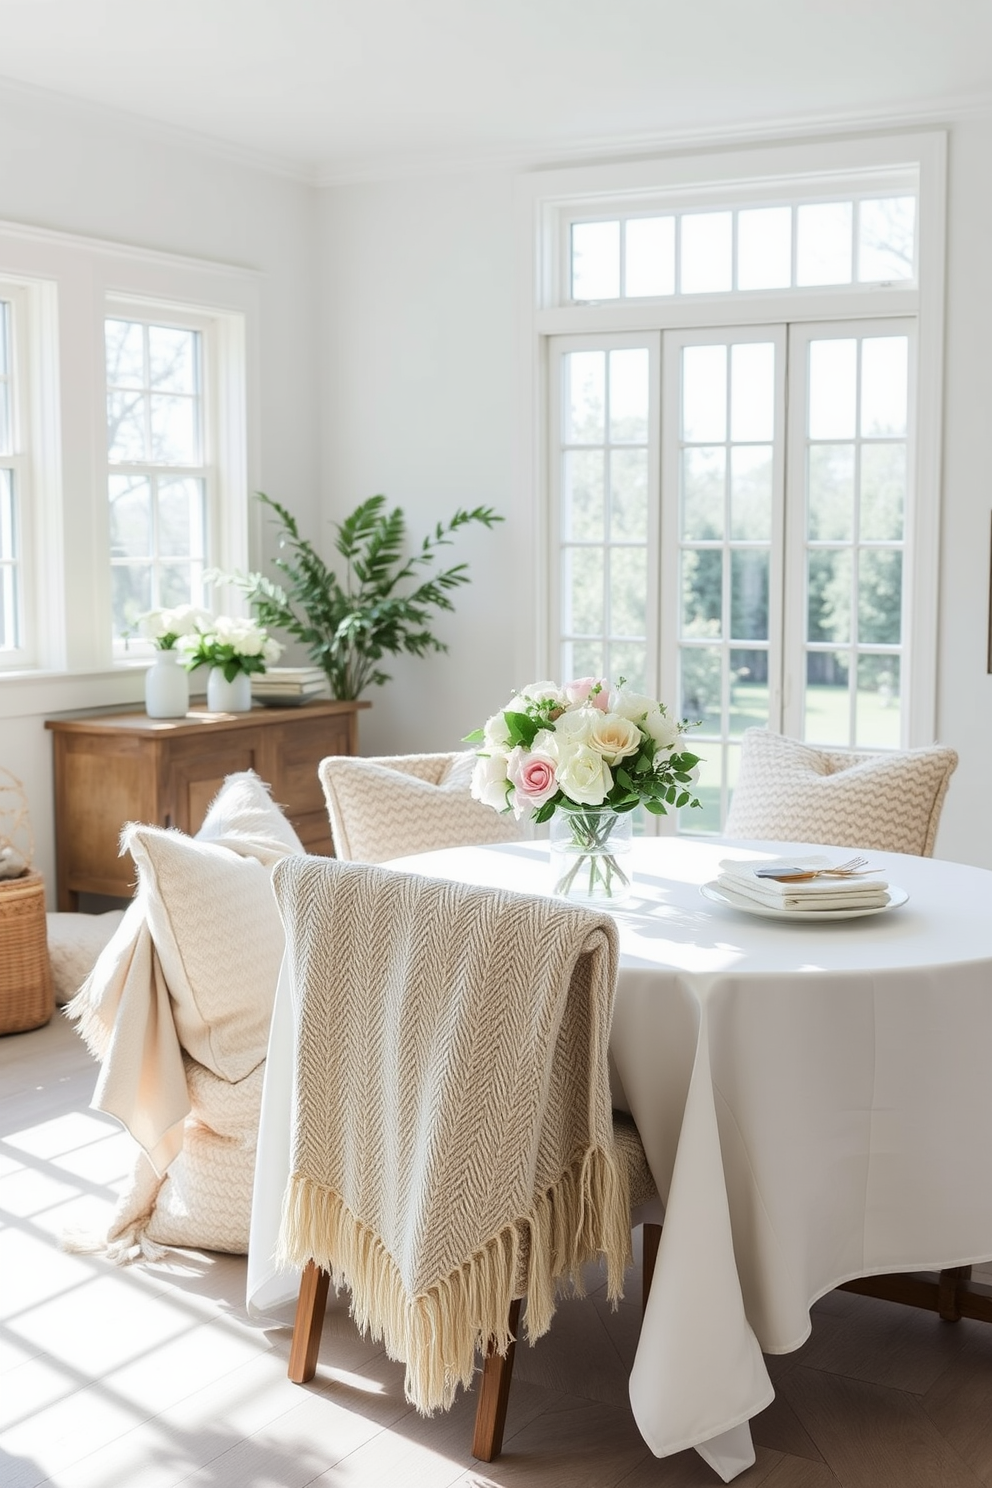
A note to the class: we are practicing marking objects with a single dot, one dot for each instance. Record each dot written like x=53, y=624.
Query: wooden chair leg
x=948, y=1306
x=650, y=1240
x=308, y=1324
x=494, y=1393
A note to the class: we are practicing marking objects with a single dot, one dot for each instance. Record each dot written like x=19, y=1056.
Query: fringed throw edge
x=437, y=1333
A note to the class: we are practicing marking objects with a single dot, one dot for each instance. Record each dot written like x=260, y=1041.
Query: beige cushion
x=209, y=906
x=74, y=945
x=788, y=791
x=393, y=806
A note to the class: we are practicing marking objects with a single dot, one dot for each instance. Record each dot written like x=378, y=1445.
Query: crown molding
x=158, y=131
x=615, y=148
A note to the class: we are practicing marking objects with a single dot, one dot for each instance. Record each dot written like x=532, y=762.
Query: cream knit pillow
x=209, y=906
x=790, y=792
x=397, y=805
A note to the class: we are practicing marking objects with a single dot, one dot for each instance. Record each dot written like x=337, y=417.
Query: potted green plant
x=381, y=606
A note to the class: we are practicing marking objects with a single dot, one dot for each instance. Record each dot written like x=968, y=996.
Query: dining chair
x=788, y=791
x=454, y=1148
x=394, y=805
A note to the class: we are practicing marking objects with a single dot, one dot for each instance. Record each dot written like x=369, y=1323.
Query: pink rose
x=581, y=691
x=533, y=778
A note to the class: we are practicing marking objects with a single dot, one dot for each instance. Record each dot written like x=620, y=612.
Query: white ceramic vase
x=166, y=687
x=228, y=697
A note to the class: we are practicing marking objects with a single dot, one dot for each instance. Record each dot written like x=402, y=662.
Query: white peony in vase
x=228, y=697
x=167, y=686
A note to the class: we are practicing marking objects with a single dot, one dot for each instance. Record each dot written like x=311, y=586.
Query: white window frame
x=70, y=285
x=546, y=200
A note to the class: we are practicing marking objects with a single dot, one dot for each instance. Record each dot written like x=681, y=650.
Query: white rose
x=489, y=781
x=496, y=735
x=271, y=651
x=614, y=737
x=573, y=728
x=632, y=705
x=664, y=731
x=150, y=625
x=585, y=777
x=541, y=692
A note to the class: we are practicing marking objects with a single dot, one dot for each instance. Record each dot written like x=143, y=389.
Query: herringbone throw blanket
x=453, y=1129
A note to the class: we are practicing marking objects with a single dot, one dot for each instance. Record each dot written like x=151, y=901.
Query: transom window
x=796, y=245
x=157, y=470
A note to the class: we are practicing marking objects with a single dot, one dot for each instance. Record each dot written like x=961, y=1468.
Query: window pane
x=880, y=596
x=650, y=249
x=130, y=594
x=828, y=705
x=884, y=372
x=585, y=397
x=175, y=435
x=829, y=595
x=172, y=359
x=125, y=343
x=130, y=517
x=883, y=492
x=4, y=338
x=583, y=659
x=8, y=532
x=707, y=252
x=751, y=493
x=831, y=492
x=878, y=713
x=833, y=389
x=628, y=591
x=823, y=243
x=584, y=591
x=582, y=495
x=595, y=260
x=749, y=594
x=703, y=487
x=8, y=608
x=629, y=495
x=764, y=248
x=626, y=659
x=752, y=391
x=702, y=674
x=702, y=591
x=180, y=518
x=175, y=584
x=126, y=427
x=748, y=690
x=704, y=394
x=705, y=817
x=887, y=238
x=6, y=431
x=629, y=396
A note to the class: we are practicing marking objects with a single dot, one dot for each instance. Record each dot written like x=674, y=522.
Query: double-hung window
x=14, y=481
x=736, y=520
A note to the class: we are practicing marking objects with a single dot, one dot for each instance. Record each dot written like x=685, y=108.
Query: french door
x=729, y=517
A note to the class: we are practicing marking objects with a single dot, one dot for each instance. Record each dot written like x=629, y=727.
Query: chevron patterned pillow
x=790, y=792
x=393, y=806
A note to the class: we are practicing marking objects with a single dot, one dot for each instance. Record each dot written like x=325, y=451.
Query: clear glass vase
x=590, y=855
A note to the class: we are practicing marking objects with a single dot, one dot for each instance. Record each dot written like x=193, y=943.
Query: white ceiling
x=338, y=88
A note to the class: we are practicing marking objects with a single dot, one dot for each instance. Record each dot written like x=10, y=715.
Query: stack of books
x=288, y=687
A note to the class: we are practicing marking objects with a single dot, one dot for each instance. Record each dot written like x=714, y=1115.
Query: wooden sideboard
x=114, y=766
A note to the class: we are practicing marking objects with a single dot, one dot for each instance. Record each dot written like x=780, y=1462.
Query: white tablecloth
x=815, y=1103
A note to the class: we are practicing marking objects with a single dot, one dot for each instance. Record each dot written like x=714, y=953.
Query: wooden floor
x=153, y=1375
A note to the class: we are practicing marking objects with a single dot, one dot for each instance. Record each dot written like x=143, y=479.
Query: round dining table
x=814, y=1099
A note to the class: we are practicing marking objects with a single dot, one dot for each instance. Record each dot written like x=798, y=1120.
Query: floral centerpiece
x=582, y=757
x=233, y=648
x=166, y=683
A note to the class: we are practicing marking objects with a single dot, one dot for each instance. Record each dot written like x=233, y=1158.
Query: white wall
x=420, y=401
x=78, y=170
x=419, y=344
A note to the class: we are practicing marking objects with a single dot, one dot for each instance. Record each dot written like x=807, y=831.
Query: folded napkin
x=740, y=877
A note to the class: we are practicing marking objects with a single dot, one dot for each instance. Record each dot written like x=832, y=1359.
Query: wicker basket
x=26, y=996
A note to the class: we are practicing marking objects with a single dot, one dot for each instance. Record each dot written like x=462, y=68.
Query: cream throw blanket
x=453, y=1144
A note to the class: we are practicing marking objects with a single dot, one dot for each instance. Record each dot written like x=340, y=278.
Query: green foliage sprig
x=347, y=626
